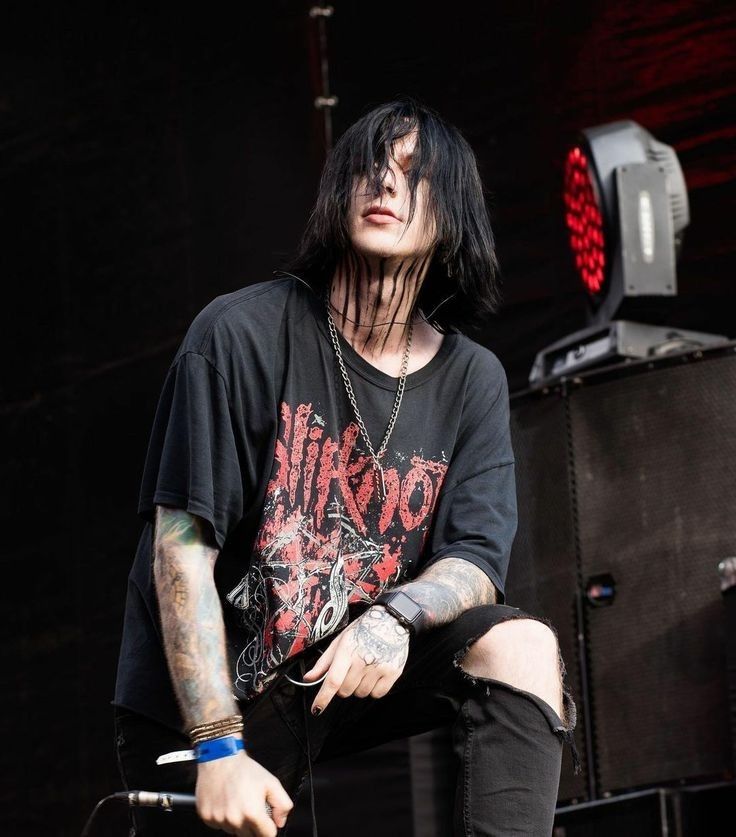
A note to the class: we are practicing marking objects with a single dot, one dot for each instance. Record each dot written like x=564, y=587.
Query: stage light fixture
x=626, y=209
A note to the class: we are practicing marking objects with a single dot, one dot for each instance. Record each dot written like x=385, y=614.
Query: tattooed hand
x=366, y=659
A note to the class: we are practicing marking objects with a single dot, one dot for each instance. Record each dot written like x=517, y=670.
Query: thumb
x=322, y=664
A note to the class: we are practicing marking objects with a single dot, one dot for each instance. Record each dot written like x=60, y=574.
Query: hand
x=232, y=793
x=366, y=659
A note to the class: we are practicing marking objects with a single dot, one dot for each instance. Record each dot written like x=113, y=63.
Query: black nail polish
x=316, y=710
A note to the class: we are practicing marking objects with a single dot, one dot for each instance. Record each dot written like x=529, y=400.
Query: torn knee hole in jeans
x=569, y=711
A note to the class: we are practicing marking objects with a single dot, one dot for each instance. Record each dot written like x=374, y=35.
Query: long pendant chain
x=351, y=395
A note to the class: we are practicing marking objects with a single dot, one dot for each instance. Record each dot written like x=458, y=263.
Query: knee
x=523, y=653
x=512, y=640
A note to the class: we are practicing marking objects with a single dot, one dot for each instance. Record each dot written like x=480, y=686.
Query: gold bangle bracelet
x=232, y=719
x=208, y=735
x=198, y=739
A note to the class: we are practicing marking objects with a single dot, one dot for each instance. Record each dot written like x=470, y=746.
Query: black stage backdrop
x=150, y=161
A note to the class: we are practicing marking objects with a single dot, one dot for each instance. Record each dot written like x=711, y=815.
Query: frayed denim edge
x=566, y=732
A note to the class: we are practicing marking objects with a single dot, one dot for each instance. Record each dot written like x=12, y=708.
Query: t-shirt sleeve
x=476, y=515
x=192, y=459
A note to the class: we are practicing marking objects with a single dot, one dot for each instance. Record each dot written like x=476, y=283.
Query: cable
x=147, y=799
x=87, y=830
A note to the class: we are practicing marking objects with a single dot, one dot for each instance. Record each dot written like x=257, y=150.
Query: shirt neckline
x=367, y=370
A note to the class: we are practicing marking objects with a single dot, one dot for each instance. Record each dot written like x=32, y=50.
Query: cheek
x=423, y=225
x=356, y=199
x=422, y=229
x=352, y=210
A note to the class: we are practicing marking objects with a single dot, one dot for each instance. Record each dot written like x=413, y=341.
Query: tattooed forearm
x=449, y=588
x=191, y=616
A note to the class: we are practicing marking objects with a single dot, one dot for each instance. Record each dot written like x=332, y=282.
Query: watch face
x=408, y=607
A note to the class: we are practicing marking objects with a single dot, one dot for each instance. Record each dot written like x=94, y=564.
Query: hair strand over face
x=464, y=264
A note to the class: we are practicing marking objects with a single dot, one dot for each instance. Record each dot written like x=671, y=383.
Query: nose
x=389, y=181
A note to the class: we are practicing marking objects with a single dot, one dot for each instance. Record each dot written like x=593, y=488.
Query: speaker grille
x=654, y=462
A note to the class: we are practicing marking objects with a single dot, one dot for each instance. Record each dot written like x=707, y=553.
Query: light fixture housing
x=626, y=210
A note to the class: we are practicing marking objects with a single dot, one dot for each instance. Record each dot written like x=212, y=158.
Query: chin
x=376, y=245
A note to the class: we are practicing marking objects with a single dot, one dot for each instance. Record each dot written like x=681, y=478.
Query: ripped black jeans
x=507, y=742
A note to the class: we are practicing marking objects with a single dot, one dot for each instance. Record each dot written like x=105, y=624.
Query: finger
x=323, y=663
x=280, y=802
x=383, y=686
x=335, y=676
x=370, y=678
x=353, y=678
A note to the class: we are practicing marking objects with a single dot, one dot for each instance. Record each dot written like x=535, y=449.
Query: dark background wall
x=149, y=162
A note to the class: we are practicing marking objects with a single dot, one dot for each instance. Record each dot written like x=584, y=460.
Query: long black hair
x=464, y=265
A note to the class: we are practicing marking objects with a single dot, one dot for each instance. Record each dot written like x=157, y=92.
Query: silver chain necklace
x=351, y=395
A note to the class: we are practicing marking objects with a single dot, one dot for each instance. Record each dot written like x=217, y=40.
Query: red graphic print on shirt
x=327, y=539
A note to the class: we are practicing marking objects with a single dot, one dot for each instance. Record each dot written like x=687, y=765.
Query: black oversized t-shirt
x=255, y=433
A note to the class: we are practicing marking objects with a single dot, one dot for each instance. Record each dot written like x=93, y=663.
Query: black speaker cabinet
x=626, y=481
x=690, y=811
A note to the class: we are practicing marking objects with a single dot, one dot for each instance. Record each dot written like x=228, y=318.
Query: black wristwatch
x=404, y=608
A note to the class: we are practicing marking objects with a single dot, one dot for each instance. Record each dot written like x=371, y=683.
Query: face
x=378, y=224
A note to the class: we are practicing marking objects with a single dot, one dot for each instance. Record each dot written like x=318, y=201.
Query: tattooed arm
x=448, y=588
x=191, y=616
x=231, y=792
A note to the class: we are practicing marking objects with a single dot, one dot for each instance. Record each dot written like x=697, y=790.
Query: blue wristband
x=218, y=748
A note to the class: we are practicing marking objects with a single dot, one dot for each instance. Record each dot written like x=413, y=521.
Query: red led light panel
x=584, y=221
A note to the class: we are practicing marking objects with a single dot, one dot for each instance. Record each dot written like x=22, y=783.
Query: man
x=330, y=506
